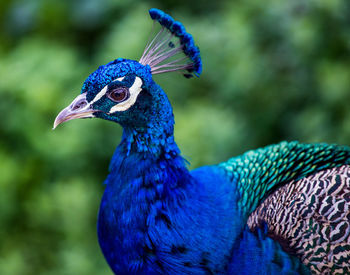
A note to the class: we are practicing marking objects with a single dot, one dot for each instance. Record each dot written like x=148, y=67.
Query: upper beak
x=79, y=108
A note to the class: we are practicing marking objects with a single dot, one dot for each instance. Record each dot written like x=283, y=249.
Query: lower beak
x=79, y=108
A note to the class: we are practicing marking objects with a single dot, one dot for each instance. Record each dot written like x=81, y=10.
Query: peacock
x=281, y=209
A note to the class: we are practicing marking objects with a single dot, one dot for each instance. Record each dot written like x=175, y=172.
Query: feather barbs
x=172, y=48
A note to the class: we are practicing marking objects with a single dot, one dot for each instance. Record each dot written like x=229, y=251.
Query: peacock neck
x=147, y=164
x=146, y=171
x=147, y=174
x=150, y=151
x=152, y=141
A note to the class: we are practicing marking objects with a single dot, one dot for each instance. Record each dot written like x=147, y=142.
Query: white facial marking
x=119, y=79
x=104, y=90
x=134, y=90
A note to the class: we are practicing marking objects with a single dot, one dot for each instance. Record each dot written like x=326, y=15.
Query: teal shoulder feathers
x=258, y=173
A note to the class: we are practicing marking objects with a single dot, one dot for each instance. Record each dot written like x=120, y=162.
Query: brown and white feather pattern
x=311, y=219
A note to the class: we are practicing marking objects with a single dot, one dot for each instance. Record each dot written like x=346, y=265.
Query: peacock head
x=123, y=90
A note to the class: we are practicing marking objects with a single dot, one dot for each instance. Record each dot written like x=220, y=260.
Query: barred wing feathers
x=311, y=219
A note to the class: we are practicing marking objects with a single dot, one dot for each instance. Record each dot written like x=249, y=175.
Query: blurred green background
x=273, y=70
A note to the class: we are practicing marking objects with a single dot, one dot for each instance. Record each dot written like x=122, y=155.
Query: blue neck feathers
x=149, y=154
x=146, y=173
x=150, y=143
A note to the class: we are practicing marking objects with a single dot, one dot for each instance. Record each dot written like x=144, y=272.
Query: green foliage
x=273, y=70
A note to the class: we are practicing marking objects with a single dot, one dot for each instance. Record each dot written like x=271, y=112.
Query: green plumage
x=259, y=172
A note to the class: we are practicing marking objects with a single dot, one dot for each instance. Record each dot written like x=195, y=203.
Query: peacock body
x=279, y=209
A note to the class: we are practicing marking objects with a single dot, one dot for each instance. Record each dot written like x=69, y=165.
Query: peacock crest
x=171, y=48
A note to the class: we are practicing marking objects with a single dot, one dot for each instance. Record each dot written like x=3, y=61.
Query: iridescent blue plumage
x=107, y=73
x=156, y=216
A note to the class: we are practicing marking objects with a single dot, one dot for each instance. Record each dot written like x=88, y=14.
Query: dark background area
x=272, y=70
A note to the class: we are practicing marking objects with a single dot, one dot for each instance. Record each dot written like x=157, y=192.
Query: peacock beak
x=79, y=108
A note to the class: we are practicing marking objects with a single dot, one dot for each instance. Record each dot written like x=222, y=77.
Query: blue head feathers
x=113, y=70
x=123, y=90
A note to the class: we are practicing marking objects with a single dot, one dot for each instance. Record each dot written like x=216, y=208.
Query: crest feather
x=172, y=48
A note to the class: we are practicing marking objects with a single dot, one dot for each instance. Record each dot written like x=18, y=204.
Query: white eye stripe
x=104, y=90
x=100, y=94
x=119, y=79
x=134, y=90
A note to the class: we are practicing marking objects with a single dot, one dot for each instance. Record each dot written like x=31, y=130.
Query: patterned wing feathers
x=311, y=219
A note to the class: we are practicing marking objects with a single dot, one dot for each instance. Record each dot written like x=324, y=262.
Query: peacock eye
x=119, y=94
